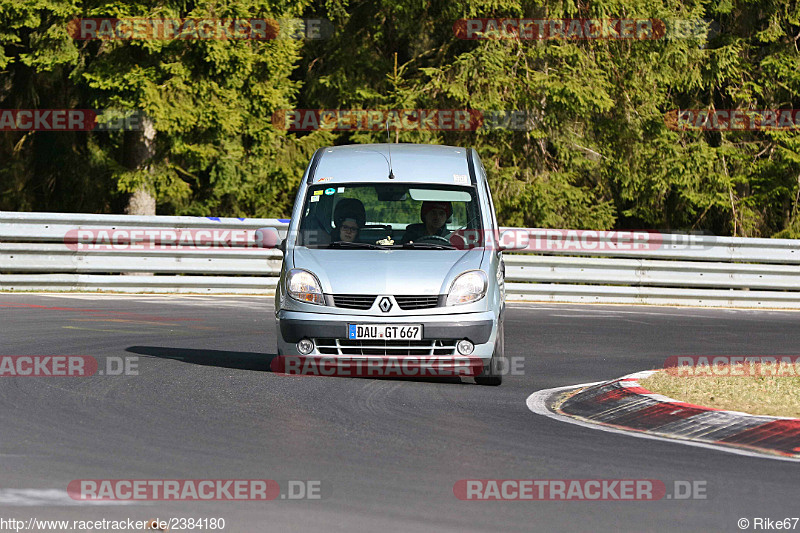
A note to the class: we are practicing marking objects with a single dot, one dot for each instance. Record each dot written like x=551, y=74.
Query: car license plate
x=403, y=332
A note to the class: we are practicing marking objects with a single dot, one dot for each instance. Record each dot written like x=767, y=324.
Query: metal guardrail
x=43, y=252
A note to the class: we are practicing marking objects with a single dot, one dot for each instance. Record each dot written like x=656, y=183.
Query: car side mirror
x=512, y=240
x=269, y=238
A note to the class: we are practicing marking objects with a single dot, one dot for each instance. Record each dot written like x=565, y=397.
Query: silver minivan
x=391, y=254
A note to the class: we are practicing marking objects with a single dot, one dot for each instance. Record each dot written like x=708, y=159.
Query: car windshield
x=379, y=216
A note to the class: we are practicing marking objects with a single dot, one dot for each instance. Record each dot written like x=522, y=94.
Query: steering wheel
x=433, y=238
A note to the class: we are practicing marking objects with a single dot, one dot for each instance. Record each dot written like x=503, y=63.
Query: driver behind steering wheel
x=434, y=217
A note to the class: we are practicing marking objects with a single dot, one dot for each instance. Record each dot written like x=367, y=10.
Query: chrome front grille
x=410, y=303
x=385, y=347
x=365, y=301
x=354, y=301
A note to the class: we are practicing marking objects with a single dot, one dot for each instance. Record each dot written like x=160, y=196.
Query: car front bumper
x=440, y=332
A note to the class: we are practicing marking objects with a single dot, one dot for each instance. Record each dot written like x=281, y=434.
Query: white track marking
x=537, y=402
x=613, y=317
x=48, y=497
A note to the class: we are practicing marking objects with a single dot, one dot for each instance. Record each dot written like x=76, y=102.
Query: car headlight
x=304, y=286
x=467, y=288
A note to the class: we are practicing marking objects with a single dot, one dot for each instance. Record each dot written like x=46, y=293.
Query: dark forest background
x=599, y=153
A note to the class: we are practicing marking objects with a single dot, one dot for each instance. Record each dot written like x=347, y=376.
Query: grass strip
x=757, y=388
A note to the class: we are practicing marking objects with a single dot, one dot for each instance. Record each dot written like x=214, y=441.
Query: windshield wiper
x=367, y=245
x=428, y=246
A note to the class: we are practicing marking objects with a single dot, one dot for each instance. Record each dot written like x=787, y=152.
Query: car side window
x=485, y=180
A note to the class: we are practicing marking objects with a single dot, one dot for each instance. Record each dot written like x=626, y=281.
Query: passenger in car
x=348, y=218
x=348, y=230
x=434, y=217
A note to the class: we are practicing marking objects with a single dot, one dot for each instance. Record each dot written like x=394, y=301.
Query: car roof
x=411, y=163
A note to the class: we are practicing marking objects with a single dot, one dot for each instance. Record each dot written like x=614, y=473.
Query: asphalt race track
x=204, y=405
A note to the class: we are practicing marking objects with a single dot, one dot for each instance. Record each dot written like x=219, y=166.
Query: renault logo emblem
x=385, y=304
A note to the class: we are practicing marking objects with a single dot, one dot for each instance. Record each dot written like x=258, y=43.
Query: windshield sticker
x=340, y=189
x=330, y=191
x=318, y=193
x=315, y=198
x=460, y=178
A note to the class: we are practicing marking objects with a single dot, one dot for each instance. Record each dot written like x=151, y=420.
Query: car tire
x=490, y=381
